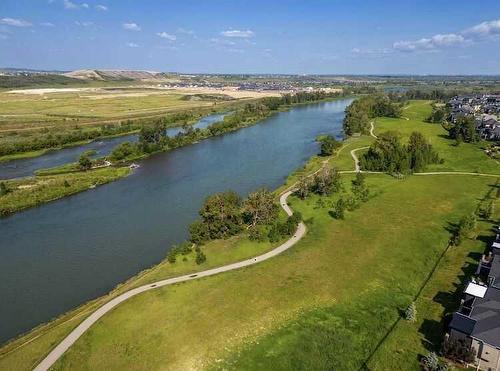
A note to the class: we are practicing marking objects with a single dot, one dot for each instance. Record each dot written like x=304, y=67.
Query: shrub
x=411, y=312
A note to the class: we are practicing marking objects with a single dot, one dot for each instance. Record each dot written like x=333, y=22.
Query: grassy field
x=21, y=111
x=28, y=192
x=466, y=157
x=326, y=302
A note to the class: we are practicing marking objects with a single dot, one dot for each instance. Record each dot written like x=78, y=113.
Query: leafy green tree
x=84, y=162
x=221, y=215
x=329, y=145
x=327, y=181
x=66, y=183
x=359, y=188
x=260, y=207
x=338, y=211
x=303, y=188
x=438, y=115
x=200, y=257
x=464, y=130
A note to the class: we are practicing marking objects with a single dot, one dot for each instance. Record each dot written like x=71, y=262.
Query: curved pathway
x=73, y=336
x=372, y=127
x=355, y=158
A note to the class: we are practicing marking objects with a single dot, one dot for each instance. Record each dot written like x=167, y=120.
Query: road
x=69, y=340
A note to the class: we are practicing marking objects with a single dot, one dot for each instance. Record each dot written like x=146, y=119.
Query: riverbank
x=30, y=192
x=231, y=123
x=377, y=263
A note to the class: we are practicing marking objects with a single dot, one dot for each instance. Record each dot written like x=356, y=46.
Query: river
x=61, y=254
x=102, y=147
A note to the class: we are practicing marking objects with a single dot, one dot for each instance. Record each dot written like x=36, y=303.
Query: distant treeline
x=55, y=139
x=361, y=111
x=153, y=138
x=20, y=81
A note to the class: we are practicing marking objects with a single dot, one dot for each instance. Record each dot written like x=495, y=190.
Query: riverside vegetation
x=152, y=139
x=327, y=303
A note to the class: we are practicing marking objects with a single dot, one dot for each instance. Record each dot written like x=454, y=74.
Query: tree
x=359, y=187
x=458, y=350
x=421, y=152
x=303, y=188
x=329, y=145
x=338, y=211
x=200, y=256
x=464, y=130
x=260, y=208
x=327, y=181
x=66, y=184
x=411, y=312
x=438, y=115
x=221, y=215
x=198, y=232
x=431, y=361
x=488, y=210
x=467, y=225
x=4, y=189
x=84, y=162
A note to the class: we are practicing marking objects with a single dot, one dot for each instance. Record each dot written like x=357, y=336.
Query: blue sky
x=281, y=36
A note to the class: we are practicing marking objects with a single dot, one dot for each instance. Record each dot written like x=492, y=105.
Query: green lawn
x=465, y=157
x=365, y=261
x=32, y=191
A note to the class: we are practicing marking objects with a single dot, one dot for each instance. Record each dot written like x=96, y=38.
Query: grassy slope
x=340, y=267
x=384, y=259
x=409, y=341
x=467, y=157
x=29, y=192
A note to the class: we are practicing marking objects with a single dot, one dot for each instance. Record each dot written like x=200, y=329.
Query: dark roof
x=462, y=323
x=495, y=271
x=486, y=314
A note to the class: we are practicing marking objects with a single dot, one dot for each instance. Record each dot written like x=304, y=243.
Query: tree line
x=58, y=138
x=226, y=214
x=389, y=154
x=153, y=138
x=361, y=111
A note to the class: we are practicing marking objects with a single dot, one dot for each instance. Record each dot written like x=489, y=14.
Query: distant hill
x=113, y=75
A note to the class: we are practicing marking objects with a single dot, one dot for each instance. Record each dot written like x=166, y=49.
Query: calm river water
x=61, y=254
x=26, y=167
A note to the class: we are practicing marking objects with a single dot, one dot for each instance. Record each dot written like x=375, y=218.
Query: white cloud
x=15, y=22
x=488, y=28
x=238, y=33
x=131, y=26
x=185, y=31
x=84, y=24
x=167, y=36
x=47, y=24
x=85, y=5
x=436, y=41
x=101, y=7
x=132, y=45
x=466, y=37
x=371, y=52
x=69, y=5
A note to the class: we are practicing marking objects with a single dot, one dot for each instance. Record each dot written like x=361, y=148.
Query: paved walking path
x=69, y=340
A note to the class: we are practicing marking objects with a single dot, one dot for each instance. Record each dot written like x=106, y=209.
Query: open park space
x=329, y=300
